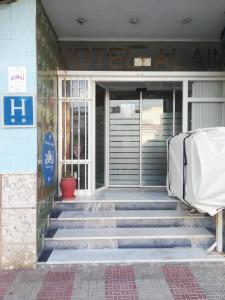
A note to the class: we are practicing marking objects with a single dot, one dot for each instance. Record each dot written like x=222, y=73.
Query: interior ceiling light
x=81, y=21
x=187, y=20
x=134, y=20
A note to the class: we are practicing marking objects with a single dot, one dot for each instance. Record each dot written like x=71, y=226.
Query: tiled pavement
x=116, y=282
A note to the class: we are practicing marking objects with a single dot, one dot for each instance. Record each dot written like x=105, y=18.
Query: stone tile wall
x=18, y=221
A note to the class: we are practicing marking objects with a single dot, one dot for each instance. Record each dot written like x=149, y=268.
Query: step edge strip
x=222, y=259
x=118, y=201
x=128, y=218
x=144, y=237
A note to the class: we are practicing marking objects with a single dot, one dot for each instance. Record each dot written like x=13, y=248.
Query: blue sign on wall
x=18, y=111
x=48, y=158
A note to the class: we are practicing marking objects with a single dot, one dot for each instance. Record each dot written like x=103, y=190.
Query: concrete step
x=93, y=205
x=128, y=218
x=120, y=200
x=125, y=196
x=124, y=256
x=129, y=238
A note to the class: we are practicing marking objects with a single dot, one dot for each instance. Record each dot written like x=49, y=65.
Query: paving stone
x=89, y=284
x=6, y=280
x=182, y=283
x=27, y=285
x=151, y=283
x=58, y=285
x=193, y=281
x=211, y=278
x=120, y=283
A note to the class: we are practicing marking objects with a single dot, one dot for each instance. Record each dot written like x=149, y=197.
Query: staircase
x=127, y=227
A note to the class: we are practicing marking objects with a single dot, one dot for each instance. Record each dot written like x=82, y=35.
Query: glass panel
x=124, y=95
x=66, y=86
x=66, y=130
x=75, y=88
x=82, y=88
x=75, y=130
x=157, y=127
x=124, y=164
x=83, y=172
x=83, y=130
x=205, y=114
x=206, y=89
x=100, y=137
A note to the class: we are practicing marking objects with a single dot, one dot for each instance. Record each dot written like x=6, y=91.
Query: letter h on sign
x=18, y=111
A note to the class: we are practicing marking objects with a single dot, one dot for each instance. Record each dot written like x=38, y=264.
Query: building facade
x=90, y=103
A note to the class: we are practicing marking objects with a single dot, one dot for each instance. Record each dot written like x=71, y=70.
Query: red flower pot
x=68, y=186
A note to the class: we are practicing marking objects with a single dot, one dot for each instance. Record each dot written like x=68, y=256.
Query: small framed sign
x=17, y=79
x=18, y=111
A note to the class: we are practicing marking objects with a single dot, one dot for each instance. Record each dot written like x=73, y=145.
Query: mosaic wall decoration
x=47, y=62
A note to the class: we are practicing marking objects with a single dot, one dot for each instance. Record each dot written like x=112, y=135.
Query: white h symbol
x=14, y=108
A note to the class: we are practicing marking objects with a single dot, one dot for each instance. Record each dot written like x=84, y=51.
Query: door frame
x=133, y=76
x=106, y=145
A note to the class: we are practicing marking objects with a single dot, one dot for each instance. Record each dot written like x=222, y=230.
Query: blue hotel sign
x=18, y=111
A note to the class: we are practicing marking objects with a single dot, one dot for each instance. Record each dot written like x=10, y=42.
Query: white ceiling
x=159, y=19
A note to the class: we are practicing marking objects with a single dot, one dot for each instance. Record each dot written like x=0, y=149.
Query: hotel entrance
x=113, y=127
x=109, y=85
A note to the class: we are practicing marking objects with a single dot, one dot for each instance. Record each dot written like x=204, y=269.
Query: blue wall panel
x=18, y=147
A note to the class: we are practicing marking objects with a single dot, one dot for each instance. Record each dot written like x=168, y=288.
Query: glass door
x=141, y=121
x=124, y=138
x=157, y=127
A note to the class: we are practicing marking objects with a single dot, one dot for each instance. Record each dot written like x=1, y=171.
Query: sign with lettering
x=151, y=56
x=48, y=158
x=18, y=111
x=17, y=80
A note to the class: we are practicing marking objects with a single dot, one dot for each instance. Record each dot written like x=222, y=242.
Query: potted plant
x=68, y=186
